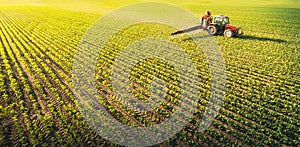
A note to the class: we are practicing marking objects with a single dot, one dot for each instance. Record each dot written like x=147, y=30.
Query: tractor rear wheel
x=212, y=30
x=228, y=33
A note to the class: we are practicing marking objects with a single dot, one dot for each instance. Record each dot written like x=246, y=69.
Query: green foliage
x=38, y=43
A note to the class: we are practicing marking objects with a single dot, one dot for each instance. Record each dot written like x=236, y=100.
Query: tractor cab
x=221, y=20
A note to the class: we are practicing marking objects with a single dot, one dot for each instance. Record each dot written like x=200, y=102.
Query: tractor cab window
x=218, y=20
x=226, y=20
x=221, y=20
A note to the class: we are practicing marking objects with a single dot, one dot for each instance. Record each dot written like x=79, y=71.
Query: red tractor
x=218, y=25
x=221, y=25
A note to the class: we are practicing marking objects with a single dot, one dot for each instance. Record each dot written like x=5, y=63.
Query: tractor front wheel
x=212, y=30
x=228, y=33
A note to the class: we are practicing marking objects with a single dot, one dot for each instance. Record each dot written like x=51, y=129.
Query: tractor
x=221, y=25
x=218, y=25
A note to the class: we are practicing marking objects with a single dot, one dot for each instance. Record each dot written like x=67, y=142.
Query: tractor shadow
x=248, y=37
x=243, y=37
x=198, y=37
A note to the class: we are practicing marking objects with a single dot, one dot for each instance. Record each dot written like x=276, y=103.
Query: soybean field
x=39, y=42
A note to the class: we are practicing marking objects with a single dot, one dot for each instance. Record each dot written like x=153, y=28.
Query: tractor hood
x=231, y=27
x=235, y=29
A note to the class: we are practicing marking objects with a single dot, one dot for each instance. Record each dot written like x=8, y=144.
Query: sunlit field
x=39, y=40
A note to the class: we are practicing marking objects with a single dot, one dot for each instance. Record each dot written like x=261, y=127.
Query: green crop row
x=38, y=105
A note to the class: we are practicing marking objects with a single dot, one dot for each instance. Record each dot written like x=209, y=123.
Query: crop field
x=38, y=101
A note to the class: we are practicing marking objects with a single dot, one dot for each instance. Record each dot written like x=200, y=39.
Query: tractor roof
x=220, y=15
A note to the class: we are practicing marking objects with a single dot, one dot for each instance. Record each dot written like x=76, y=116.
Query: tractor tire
x=212, y=30
x=228, y=33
